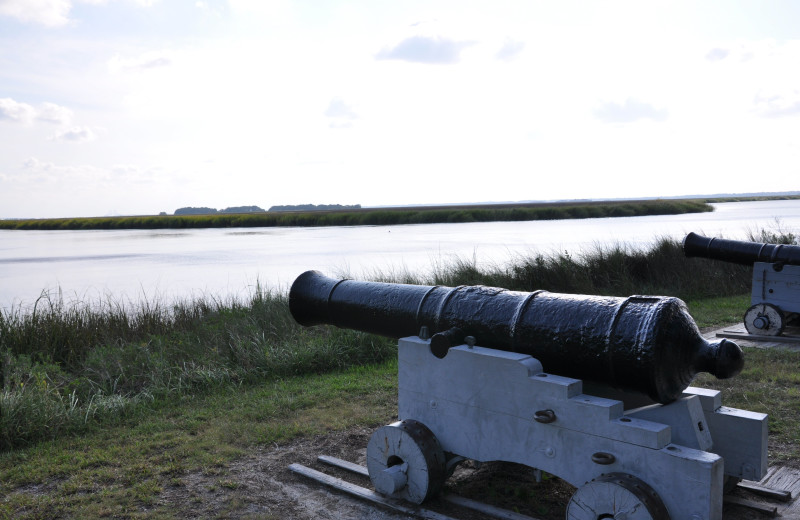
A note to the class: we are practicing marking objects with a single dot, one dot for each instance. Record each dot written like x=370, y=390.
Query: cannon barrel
x=738, y=252
x=645, y=344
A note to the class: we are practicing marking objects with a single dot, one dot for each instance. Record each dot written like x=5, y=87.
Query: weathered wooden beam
x=494, y=512
x=343, y=464
x=366, y=494
x=764, y=491
x=771, y=511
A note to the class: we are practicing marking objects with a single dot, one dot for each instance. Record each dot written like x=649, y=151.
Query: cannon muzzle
x=738, y=252
x=646, y=344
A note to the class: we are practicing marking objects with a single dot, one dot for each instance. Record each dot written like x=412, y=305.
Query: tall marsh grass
x=618, y=270
x=68, y=367
x=376, y=216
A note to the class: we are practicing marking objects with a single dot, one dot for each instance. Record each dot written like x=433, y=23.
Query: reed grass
x=616, y=270
x=374, y=217
x=68, y=367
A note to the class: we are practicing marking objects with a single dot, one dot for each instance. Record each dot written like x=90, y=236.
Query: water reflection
x=54, y=259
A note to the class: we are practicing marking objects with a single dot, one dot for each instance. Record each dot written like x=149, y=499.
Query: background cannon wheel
x=616, y=495
x=764, y=319
x=405, y=460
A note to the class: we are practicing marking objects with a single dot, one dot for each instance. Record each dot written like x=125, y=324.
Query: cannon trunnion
x=775, y=297
x=523, y=400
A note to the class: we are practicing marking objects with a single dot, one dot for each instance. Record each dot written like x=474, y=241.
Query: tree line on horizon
x=255, y=209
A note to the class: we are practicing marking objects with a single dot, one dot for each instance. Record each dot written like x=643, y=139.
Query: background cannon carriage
x=775, y=296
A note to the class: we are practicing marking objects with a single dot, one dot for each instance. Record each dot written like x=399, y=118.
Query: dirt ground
x=261, y=486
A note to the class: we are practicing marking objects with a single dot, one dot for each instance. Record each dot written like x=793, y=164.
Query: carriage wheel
x=764, y=319
x=616, y=496
x=405, y=460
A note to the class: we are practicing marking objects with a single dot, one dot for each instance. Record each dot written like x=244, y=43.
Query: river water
x=131, y=266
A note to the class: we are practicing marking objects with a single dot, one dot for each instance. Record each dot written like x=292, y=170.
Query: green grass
x=120, y=471
x=720, y=311
x=769, y=383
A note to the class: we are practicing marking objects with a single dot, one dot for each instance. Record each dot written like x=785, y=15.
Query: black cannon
x=645, y=344
x=775, y=297
x=739, y=252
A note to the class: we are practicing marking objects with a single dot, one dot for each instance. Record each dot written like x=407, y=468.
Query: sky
x=135, y=107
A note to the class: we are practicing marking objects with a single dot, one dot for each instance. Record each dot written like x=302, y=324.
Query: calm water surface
x=164, y=265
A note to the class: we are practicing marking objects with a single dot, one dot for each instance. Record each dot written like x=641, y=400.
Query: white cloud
x=132, y=173
x=52, y=113
x=26, y=114
x=80, y=134
x=759, y=78
x=425, y=49
x=340, y=113
x=35, y=164
x=14, y=111
x=145, y=61
x=269, y=8
x=778, y=104
x=510, y=50
x=46, y=172
x=207, y=8
x=629, y=111
x=125, y=169
x=765, y=51
x=717, y=54
x=37, y=170
x=51, y=13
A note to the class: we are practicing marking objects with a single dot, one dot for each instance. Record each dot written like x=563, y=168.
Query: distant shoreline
x=512, y=212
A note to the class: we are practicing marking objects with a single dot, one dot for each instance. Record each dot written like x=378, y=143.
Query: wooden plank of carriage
x=790, y=339
x=784, y=479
